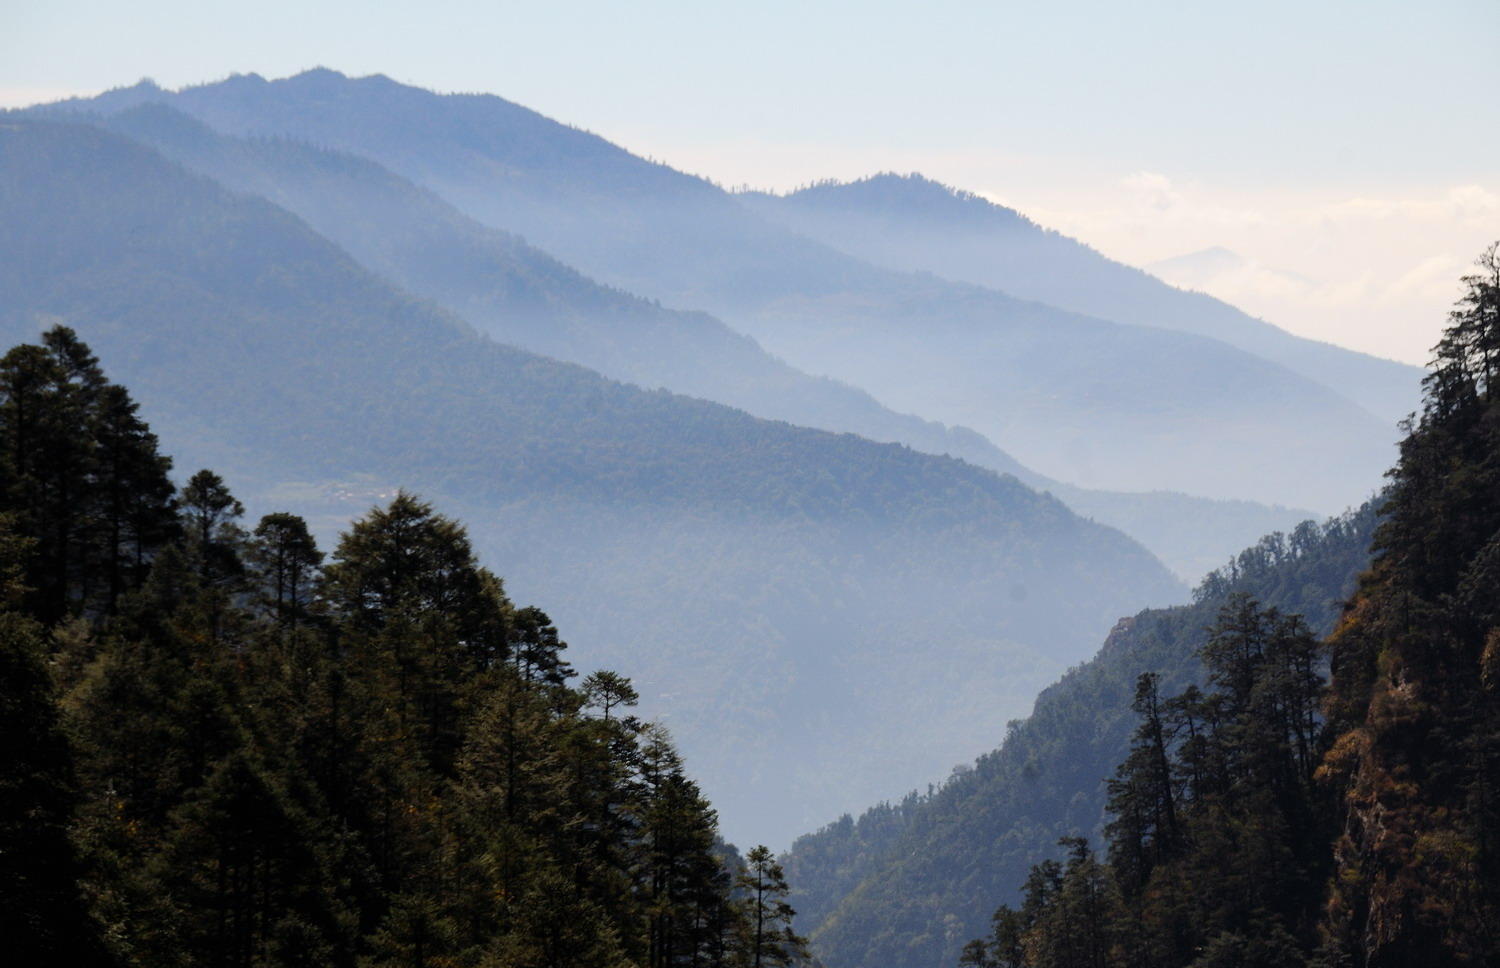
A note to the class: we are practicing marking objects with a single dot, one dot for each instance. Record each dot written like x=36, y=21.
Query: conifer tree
x=771, y=940
x=258, y=761
x=42, y=908
x=286, y=560
x=81, y=473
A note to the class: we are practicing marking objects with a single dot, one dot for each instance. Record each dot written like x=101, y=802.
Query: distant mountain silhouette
x=523, y=297
x=913, y=223
x=1097, y=403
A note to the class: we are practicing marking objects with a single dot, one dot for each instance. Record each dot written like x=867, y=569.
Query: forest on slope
x=1298, y=801
x=906, y=884
x=1086, y=400
x=733, y=567
x=524, y=298
x=224, y=748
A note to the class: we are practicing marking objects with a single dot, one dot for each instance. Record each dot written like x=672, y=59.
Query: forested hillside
x=1095, y=403
x=223, y=748
x=912, y=223
x=1413, y=705
x=735, y=568
x=524, y=298
x=907, y=884
x=1276, y=818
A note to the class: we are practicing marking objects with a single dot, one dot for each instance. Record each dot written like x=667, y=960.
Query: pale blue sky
x=1084, y=112
x=1368, y=89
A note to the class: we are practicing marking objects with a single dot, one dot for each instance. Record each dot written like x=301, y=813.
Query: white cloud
x=1152, y=191
x=1377, y=271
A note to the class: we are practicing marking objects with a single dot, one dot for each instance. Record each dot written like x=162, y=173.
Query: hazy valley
x=569, y=525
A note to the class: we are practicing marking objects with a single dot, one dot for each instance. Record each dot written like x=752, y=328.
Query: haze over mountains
x=798, y=599
x=1096, y=403
x=907, y=883
x=910, y=222
x=735, y=566
x=523, y=297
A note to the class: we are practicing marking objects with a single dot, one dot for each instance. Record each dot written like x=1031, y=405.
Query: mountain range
x=524, y=297
x=404, y=294
x=916, y=224
x=1102, y=400
x=796, y=598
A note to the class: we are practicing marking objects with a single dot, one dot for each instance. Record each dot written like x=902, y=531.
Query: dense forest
x=1315, y=807
x=219, y=746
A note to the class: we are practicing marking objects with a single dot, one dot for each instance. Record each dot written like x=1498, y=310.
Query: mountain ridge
x=1126, y=395
x=915, y=223
x=523, y=297
x=651, y=523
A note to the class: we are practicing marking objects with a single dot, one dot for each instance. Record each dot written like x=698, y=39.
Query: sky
x=1344, y=155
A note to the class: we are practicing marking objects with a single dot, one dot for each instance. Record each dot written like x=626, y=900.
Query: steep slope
x=1095, y=403
x=913, y=223
x=523, y=297
x=1415, y=695
x=907, y=884
x=746, y=571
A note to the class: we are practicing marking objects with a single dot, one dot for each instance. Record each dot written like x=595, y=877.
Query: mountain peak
x=892, y=193
x=250, y=79
x=318, y=76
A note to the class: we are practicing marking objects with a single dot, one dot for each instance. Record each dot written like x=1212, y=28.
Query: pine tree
x=1413, y=703
x=771, y=941
x=285, y=560
x=81, y=473
x=41, y=906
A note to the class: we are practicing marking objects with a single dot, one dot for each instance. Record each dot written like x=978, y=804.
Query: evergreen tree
x=771, y=940
x=1413, y=701
x=259, y=762
x=81, y=473
x=42, y=908
x=285, y=559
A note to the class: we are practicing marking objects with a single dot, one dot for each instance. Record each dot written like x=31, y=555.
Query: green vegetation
x=1272, y=823
x=1414, y=713
x=219, y=750
x=1217, y=842
x=907, y=884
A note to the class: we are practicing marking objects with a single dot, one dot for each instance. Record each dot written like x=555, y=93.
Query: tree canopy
x=222, y=749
